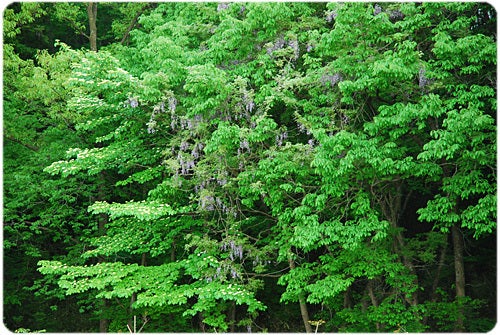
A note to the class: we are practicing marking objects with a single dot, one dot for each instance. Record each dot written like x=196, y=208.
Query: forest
x=249, y=167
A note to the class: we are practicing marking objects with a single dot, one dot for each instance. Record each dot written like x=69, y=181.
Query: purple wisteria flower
x=222, y=6
x=331, y=79
x=280, y=138
x=133, y=102
x=396, y=15
x=422, y=79
x=330, y=16
x=151, y=126
x=172, y=104
x=184, y=146
x=302, y=128
x=244, y=144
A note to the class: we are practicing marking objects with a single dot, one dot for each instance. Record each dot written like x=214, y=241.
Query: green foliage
x=227, y=150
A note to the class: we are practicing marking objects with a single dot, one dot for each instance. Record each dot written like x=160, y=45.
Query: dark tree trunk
x=92, y=14
x=302, y=304
x=102, y=222
x=373, y=299
x=458, y=253
x=232, y=317
x=434, y=296
x=393, y=208
x=133, y=23
x=103, y=323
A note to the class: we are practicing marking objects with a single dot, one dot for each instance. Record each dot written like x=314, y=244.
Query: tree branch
x=133, y=23
x=26, y=145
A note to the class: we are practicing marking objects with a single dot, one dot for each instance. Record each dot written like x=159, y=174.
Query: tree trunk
x=442, y=258
x=92, y=14
x=347, y=298
x=393, y=208
x=132, y=323
x=132, y=327
x=133, y=23
x=232, y=316
x=373, y=299
x=103, y=323
x=458, y=253
x=102, y=221
x=302, y=304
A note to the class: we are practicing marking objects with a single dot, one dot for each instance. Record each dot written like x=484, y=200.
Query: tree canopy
x=249, y=167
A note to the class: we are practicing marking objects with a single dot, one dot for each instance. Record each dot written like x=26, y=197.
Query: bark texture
x=92, y=14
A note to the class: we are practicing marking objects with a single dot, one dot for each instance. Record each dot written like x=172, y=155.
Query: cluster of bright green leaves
x=112, y=104
x=366, y=165
x=42, y=216
x=283, y=133
x=466, y=141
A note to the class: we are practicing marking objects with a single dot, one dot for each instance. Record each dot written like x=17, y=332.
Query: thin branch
x=274, y=274
x=27, y=145
x=145, y=321
x=133, y=23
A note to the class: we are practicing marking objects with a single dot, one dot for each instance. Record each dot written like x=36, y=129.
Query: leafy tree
x=339, y=154
x=43, y=217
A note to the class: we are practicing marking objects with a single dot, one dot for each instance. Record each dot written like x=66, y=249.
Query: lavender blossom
x=207, y=202
x=280, y=138
x=222, y=6
x=151, y=125
x=196, y=150
x=302, y=128
x=133, y=102
x=172, y=104
x=330, y=16
x=249, y=106
x=396, y=15
x=239, y=251
x=183, y=123
x=244, y=144
x=294, y=44
x=377, y=10
x=279, y=44
x=331, y=79
x=184, y=146
x=422, y=79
